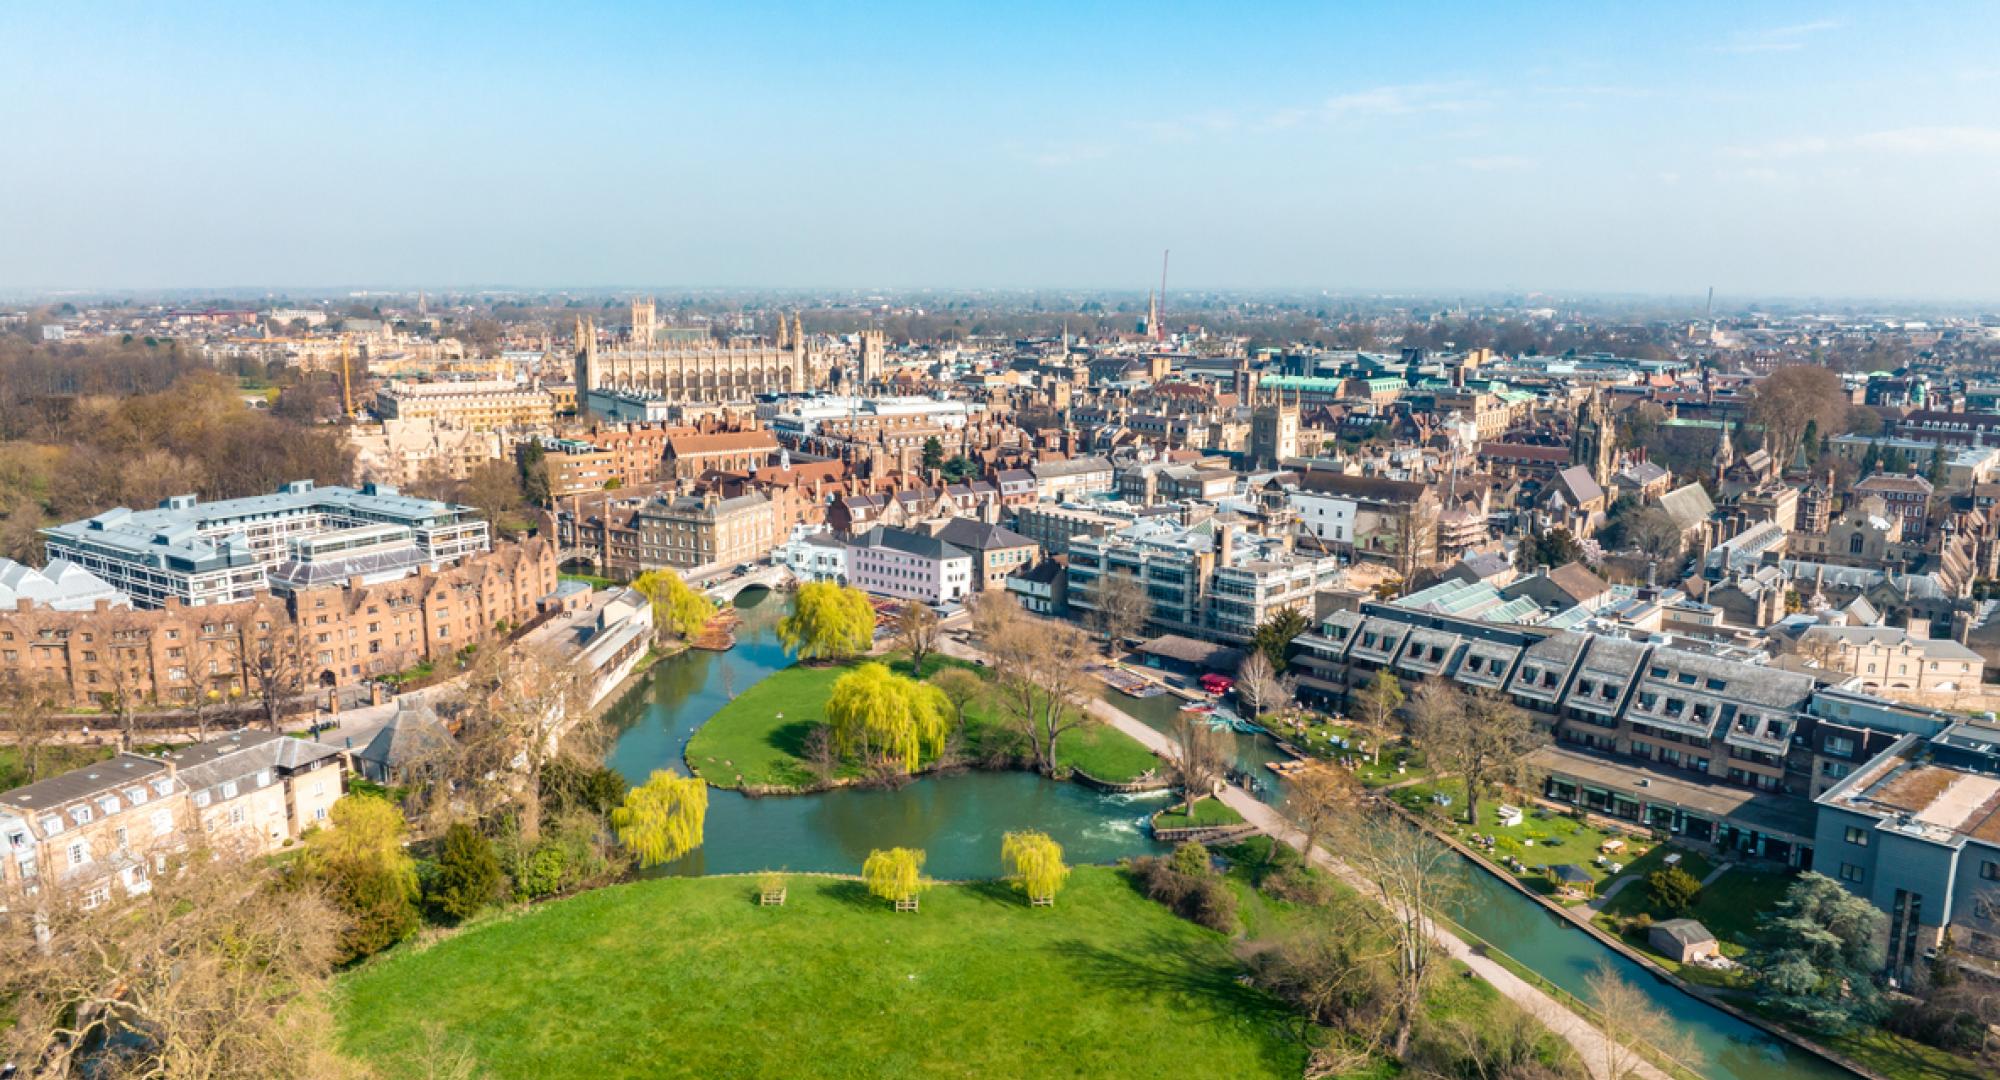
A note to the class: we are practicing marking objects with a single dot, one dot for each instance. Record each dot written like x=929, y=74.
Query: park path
x=1588, y=1041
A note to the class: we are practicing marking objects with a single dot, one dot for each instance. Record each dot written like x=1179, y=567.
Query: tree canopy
x=677, y=607
x=1274, y=637
x=361, y=865
x=877, y=713
x=662, y=820
x=1035, y=862
x=896, y=875
x=828, y=622
x=1816, y=955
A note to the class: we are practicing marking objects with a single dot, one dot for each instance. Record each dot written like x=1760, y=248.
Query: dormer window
x=163, y=787
x=201, y=798
x=52, y=825
x=1717, y=684
x=1473, y=663
x=1549, y=679
x=135, y=795
x=1686, y=678
x=229, y=790
x=80, y=815
x=1585, y=686
x=109, y=803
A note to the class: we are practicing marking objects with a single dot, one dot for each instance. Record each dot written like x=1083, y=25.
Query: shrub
x=1206, y=899
x=1673, y=889
x=1298, y=885
x=1191, y=859
x=542, y=873
x=468, y=874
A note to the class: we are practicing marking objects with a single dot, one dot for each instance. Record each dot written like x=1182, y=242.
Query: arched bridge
x=725, y=589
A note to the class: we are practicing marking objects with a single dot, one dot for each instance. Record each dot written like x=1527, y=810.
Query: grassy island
x=759, y=740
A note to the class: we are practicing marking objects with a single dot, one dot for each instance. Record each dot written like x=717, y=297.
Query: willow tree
x=677, y=607
x=828, y=622
x=896, y=875
x=1035, y=862
x=662, y=820
x=878, y=713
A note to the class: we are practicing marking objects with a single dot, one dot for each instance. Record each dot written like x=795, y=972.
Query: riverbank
x=692, y=977
x=758, y=743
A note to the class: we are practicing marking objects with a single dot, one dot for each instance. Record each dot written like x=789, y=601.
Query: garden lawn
x=1557, y=837
x=689, y=977
x=759, y=739
x=1207, y=813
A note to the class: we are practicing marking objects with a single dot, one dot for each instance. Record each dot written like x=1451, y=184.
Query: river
x=957, y=820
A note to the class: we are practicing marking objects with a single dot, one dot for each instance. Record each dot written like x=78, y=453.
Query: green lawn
x=688, y=977
x=1550, y=839
x=592, y=580
x=760, y=738
x=1207, y=812
x=55, y=760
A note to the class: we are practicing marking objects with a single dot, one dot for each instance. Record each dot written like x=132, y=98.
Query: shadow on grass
x=1204, y=975
x=790, y=737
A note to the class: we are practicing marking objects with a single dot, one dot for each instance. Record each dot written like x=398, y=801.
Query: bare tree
x=31, y=715
x=1631, y=1023
x=212, y=973
x=1123, y=609
x=1481, y=737
x=125, y=668
x=1261, y=687
x=272, y=662
x=1317, y=798
x=821, y=753
x=917, y=633
x=1202, y=757
x=519, y=708
x=1040, y=683
x=1375, y=709
x=1410, y=875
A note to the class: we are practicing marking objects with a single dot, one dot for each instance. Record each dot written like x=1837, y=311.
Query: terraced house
x=1716, y=752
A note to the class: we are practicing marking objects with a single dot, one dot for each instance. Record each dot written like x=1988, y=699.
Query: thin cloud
x=1498, y=163
x=1775, y=39
x=1938, y=139
x=1402, y=100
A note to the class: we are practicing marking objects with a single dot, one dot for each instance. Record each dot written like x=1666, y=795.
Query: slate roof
x=975, y=535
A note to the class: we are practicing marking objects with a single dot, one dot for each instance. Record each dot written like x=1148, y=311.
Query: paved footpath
x=1580, y=1033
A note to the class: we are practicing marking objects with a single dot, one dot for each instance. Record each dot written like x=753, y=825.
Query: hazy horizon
x=1782, y=152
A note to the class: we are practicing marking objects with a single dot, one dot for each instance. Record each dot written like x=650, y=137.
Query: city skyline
x=1789, y=151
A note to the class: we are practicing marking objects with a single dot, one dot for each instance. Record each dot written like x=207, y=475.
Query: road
x=1578, y=1032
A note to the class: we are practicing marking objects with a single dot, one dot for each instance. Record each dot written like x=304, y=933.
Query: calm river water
x=957, y=820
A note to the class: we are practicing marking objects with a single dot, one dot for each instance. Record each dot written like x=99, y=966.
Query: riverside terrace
x=1723, y=754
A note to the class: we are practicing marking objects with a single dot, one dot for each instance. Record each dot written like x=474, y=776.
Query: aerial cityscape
x=641, y=541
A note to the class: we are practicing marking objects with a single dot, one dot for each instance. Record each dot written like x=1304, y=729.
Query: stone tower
x=1274, y=432
x=874, y=348
x=1590, y=445
x=645, y=324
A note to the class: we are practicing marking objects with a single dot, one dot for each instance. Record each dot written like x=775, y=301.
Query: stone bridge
x=723, y=590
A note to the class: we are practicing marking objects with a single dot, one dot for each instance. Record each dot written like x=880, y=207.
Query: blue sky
x=1765, y=149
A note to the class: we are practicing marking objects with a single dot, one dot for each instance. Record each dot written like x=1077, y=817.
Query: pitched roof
x=910, y=543
x=979, y=536
x=1689, y=505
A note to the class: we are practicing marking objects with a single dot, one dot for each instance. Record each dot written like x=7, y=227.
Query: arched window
x=1854, y=544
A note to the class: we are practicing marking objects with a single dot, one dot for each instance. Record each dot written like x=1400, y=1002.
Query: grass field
x=688, y=977
x=1207, y=812
x=759, y=739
